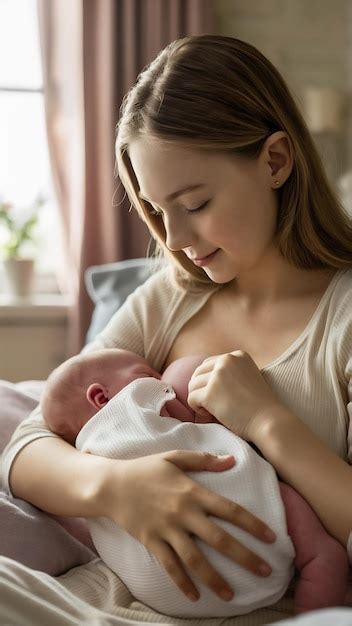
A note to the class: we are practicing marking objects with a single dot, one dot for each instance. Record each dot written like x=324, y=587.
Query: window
x=24, y=159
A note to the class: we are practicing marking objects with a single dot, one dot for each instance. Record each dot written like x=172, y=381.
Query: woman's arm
x=233, y=380
x=56, y=477
x=305, y=462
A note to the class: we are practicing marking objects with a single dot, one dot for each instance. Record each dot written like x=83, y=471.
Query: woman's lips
x=205, y=260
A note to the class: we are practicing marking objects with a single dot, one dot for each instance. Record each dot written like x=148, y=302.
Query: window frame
x=44, y=282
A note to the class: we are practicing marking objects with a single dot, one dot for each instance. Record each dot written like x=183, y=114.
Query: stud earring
x=277, y=182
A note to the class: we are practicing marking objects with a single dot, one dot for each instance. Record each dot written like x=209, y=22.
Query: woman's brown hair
x=217, y=93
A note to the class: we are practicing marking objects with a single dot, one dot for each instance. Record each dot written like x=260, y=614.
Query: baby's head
x=82, y=385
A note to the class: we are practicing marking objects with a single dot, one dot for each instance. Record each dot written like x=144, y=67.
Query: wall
x=310, y=43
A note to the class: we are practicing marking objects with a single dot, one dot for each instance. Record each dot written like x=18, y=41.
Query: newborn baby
x=113, y=403
x=82, y=385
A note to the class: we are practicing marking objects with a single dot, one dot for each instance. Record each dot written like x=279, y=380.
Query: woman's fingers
x=179, y=553
x=195, y=561
x=209, y=503
x=172, y=565
x=222, y=541
x=183, y=509
x=225, y=509
x=190, y=461
x=198, y=382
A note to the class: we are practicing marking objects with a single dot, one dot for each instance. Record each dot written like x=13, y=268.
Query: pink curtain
x=92, y=51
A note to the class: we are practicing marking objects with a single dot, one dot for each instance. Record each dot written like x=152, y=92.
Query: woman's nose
x=178, y=235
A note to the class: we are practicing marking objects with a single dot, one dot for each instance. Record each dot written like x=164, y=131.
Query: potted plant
x=19, y=230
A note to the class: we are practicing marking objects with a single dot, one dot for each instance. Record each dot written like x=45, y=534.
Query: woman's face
x=229, y=214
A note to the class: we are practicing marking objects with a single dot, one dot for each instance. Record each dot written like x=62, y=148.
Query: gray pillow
x=109, y=285
x=36, y=539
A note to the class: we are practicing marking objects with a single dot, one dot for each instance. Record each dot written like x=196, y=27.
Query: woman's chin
x=221, y=276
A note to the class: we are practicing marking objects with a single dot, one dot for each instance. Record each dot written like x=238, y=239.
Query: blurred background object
x=311, y=45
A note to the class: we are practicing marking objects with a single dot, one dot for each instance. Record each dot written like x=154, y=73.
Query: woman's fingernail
x=192, y=596
x=226, y=594
x=264, y=569
x=269, y=535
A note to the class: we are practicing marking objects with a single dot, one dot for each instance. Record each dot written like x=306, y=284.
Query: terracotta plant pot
x=19, y=276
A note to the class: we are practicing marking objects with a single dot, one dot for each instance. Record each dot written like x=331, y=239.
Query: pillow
x=50, y=543
x=17, y=400
x=37, y=540
x=109, y=285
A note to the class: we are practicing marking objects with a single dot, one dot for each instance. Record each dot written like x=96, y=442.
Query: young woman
x=218, y=161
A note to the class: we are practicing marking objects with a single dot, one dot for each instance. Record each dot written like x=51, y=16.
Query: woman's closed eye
x=155, y=212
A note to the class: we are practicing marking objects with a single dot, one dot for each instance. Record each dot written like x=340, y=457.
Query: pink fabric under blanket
x=45, y=542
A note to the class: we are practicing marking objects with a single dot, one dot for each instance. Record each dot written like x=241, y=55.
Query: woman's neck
x=275, y=280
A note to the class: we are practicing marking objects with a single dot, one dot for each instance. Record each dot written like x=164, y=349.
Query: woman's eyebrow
x=174, y=194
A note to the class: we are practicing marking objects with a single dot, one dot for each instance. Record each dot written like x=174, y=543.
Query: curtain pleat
x=92, y=52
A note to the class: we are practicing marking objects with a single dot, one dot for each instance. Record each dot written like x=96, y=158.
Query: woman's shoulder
x=341, y=296
x=339, y=320
x=335, y=309
x=157, y=290
x=344, y=277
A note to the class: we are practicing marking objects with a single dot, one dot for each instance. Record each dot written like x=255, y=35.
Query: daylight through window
x=24, y=158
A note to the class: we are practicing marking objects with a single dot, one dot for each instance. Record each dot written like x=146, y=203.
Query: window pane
x=23, y=150
x=24, y=166
x=19, y=44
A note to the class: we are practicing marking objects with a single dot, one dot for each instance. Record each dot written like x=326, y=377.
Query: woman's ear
x=278, y=155
x=97, y=395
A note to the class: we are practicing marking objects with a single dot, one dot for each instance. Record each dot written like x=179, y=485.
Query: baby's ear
x=97, y=395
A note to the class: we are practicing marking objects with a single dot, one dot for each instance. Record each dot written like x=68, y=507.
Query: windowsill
x=34, y=306
x=44, y=283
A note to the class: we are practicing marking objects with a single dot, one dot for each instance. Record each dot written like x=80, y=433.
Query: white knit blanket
x=130, y=426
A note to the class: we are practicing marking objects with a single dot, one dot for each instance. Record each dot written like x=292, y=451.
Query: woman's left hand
x=231, y=387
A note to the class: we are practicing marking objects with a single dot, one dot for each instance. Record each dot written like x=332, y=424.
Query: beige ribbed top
x=313, y=377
